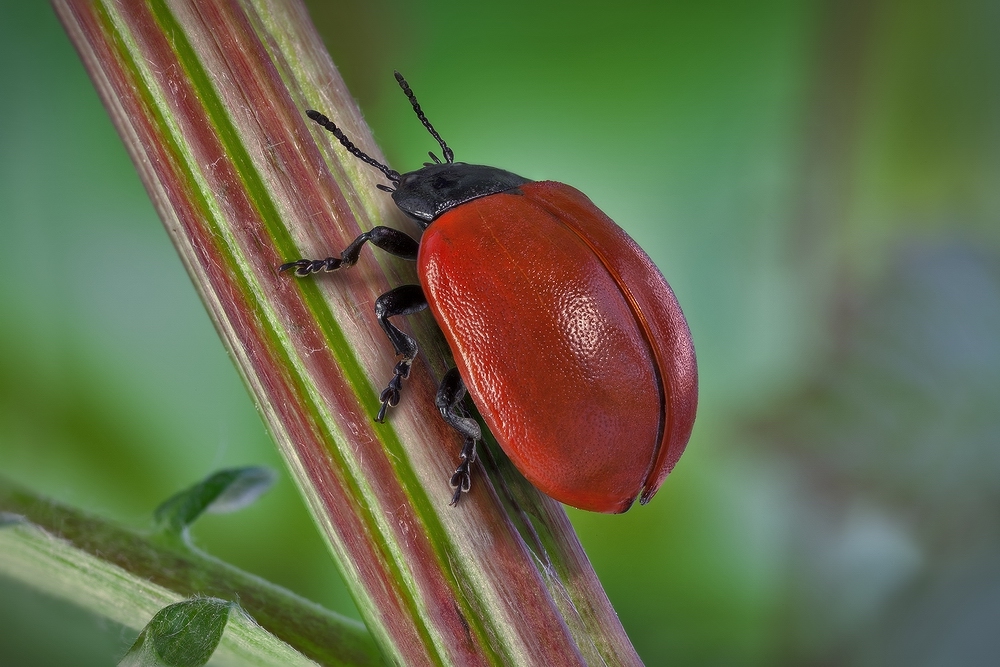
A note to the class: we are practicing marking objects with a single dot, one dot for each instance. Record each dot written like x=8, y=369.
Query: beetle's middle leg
x=402, y=300
x=449, y=402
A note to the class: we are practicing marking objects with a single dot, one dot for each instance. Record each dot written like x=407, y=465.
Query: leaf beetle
x=568, y=339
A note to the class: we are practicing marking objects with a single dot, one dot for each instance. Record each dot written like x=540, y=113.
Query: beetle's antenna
x=449, y=155
x=329, y=125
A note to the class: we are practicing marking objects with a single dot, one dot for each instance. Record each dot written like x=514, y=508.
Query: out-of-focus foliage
x=893, y=444
x=818, y=182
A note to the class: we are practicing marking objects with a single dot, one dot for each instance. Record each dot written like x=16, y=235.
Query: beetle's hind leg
x=391, y=240
x=402, y=300
x=449, y=402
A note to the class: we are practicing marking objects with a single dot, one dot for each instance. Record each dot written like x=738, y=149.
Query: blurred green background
x=818, y=180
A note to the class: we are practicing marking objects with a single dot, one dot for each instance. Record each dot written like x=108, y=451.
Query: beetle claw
x=390, y=395
x=461, y=479
x=380, y=417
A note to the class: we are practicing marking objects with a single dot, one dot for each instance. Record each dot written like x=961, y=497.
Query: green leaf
x=220, y=493
x=185, y=634
x=202, y=631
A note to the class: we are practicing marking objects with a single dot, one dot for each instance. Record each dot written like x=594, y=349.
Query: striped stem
x=209, y=97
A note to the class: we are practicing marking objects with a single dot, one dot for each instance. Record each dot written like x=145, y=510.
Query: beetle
x=566, y=336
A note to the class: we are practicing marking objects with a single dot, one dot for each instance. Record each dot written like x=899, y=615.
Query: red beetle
x=567, y=337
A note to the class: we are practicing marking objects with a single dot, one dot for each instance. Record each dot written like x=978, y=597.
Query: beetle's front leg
x=391, y=240
x=449, y=403
x=402, y=300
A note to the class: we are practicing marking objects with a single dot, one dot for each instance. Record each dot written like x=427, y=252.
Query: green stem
x=127, y=577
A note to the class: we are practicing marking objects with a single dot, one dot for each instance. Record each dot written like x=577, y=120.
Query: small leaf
x=243, y=487
x=185, y=634
x=222, y=492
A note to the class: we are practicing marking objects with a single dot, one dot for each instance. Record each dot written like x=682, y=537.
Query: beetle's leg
x=449, y=402
x=391, y=240
x=402, y=300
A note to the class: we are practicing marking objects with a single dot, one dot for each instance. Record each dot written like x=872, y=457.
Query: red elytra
x=565, y=334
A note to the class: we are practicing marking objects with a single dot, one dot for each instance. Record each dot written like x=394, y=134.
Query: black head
x=428, y=192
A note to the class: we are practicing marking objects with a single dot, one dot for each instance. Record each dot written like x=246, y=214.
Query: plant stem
x=209, y=97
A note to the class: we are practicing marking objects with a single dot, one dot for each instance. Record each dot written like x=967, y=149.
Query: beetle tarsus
x=461, y=479
x=390, y=395
x=305, y=267
x=449, y=403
